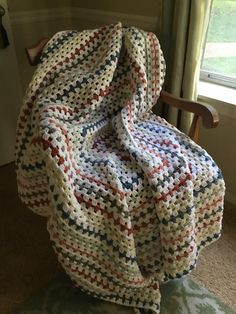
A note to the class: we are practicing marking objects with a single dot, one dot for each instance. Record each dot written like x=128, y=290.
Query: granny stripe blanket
x=129, y=199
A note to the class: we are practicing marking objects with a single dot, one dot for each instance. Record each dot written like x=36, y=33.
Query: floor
x=28, y=263
x=216, y=268
x=27, y=260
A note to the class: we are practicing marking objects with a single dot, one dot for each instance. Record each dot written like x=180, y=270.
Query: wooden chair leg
x=194, y=129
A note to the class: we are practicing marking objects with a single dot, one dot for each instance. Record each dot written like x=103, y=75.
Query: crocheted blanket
x=129, y=199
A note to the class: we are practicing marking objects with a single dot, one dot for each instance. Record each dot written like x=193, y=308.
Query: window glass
x=219, y=61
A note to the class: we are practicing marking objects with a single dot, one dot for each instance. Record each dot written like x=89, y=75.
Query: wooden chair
x=209, y=115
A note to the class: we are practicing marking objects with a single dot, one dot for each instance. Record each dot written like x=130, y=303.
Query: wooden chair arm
x=33, y=53
x=209, y=115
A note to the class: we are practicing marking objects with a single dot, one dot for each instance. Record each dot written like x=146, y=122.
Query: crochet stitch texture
x=129, y=199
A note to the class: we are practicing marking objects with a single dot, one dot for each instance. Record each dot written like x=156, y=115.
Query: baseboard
x=7, y=164
x=230, y=197
x=94, y=16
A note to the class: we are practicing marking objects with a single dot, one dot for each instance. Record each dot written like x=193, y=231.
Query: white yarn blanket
x=129, y=200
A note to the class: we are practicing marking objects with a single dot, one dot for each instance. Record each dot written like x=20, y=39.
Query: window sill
x=221, y=97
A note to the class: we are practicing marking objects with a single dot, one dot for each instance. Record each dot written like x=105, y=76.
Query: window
x=219, y=59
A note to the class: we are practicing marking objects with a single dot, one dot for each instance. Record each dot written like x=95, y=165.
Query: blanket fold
x=130, y=200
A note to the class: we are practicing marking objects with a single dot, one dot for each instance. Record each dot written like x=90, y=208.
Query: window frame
x=216, y=78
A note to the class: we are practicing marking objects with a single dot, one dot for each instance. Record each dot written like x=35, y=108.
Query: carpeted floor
x=27, y=262
x=216, y=268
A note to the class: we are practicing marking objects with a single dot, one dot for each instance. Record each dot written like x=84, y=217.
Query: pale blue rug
x=178, y=297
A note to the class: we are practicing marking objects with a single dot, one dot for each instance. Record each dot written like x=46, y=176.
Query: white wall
x=143, y=8
x=30, y=26
x=32, y=20
x=221, y=144
x=28, y=5
x=10, y=94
